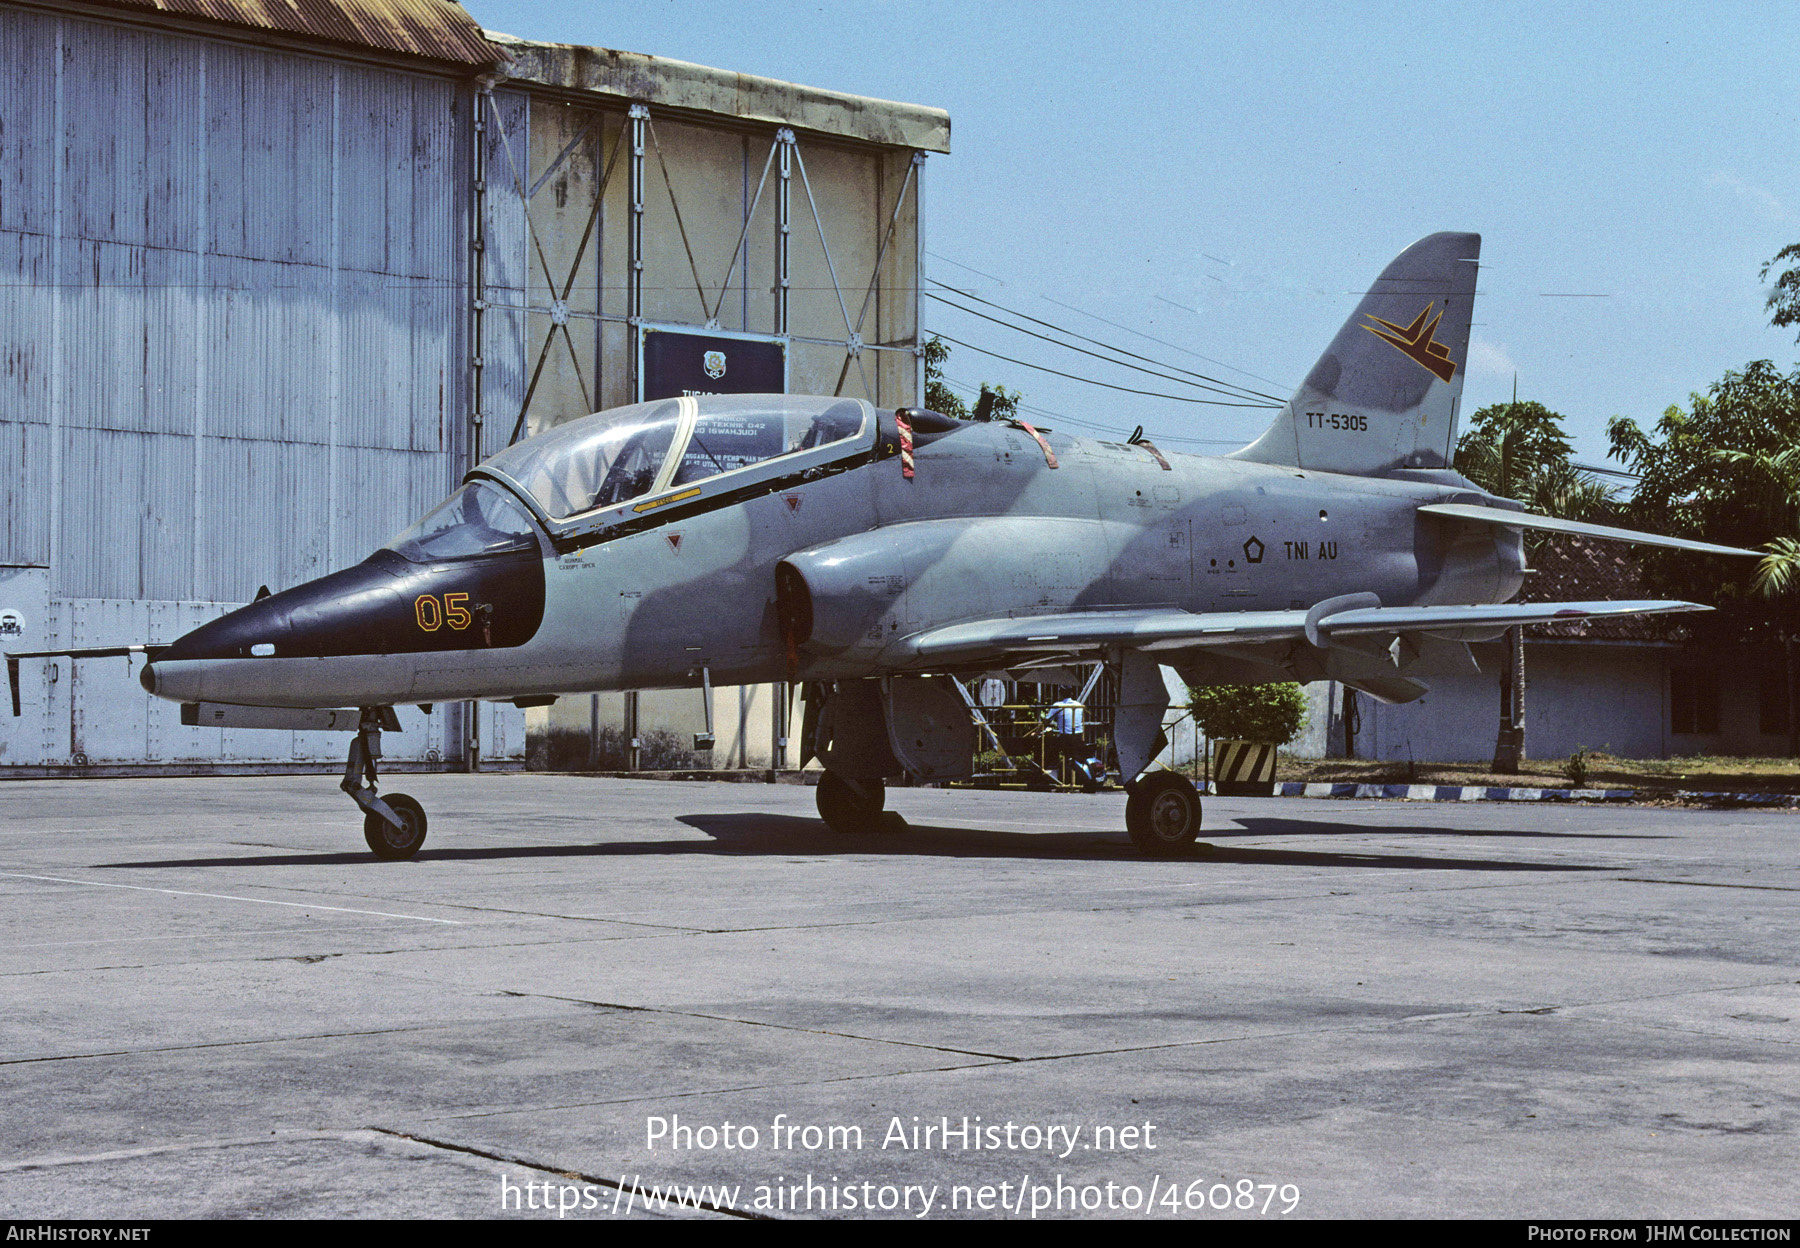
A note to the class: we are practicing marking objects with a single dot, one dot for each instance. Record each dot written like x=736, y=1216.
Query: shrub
x=1576, y=768
x=557, y=749
x=566, y=749
x=1275, y=712
x=662, y=750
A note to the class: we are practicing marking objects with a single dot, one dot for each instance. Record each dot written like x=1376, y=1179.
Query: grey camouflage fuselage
x=985, y=528
x=875, y=544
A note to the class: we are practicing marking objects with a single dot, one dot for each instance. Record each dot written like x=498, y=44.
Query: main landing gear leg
x=1163, y=812
x=394, y=827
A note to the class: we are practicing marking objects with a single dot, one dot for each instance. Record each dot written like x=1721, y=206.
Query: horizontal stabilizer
x=1550, y=524
x=1392, y=690
x=1439, y=621
x=1165, y=629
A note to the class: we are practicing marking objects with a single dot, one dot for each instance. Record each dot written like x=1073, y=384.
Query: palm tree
x=1771, y=485
x=1519, y=451
x=1779, y=572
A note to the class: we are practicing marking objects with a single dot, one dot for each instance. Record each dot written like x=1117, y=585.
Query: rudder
x=1385, y=393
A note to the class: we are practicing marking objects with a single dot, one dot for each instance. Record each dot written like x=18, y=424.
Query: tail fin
x=1384, y=394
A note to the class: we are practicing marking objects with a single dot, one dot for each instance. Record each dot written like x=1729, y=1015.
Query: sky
x=1225, y=178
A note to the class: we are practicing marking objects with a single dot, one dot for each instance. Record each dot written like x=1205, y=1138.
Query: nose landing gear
x=394, y=827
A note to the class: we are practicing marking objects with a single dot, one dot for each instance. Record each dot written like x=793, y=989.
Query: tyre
x=843, y=810
x=389, y=842
x=1163, y=814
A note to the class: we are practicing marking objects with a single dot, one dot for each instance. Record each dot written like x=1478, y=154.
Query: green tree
x=1776, y=476
x=1772, y=487
x=1519, y=451
x=1784, y=301
x=1727, y=471
x=1002, y=405
x=939, y=397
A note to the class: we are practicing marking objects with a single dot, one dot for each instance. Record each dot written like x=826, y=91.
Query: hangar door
x=237, y=330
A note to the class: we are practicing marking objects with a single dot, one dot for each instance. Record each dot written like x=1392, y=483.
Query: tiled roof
x=1575, y=569
x=434, y=30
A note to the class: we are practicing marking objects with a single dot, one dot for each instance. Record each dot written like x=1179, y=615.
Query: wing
x=1476, y=514
x=993, y=640
x=1161, y=629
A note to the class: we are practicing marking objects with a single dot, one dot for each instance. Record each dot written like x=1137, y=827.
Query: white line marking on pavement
x=260, y=901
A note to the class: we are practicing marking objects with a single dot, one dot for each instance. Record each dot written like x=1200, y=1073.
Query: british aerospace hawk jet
x=878, y=555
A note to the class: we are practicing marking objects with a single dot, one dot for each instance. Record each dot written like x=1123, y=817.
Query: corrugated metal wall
x=233, y=352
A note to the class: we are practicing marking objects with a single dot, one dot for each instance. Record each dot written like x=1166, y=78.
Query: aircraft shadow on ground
x=766, y=835
x=1305, y=827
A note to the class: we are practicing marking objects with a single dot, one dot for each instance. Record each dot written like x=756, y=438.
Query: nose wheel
x=394, y=827
x=396, y=842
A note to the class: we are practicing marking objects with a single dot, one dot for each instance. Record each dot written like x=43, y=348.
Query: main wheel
x=843, y=810
x=1163, y=814
x=394, y=843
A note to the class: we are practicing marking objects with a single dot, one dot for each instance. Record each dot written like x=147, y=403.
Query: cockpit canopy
x=625, y=453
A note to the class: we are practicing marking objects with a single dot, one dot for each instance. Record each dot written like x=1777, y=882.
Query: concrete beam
x=657, y=80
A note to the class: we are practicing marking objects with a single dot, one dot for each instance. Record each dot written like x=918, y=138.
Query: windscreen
x=479, y=519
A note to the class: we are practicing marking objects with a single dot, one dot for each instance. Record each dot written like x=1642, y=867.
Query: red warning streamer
x=1158, y=455
x=1049, y=455
x=906, y=444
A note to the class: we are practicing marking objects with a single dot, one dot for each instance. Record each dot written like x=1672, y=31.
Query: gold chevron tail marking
x=1416, y=341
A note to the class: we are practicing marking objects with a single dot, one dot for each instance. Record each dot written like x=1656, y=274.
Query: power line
x=1059, y=417
x=1104, y=321
x=1107, y=345
x=1114, y=430
x=959, y=264
x=1180, y=381
x=1163, y=341
x=1178, y=398
x=1232, y=388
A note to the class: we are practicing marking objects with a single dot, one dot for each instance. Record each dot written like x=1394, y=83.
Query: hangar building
x=281, y=274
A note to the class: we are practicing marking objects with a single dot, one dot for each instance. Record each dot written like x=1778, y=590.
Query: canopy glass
x=615, y=456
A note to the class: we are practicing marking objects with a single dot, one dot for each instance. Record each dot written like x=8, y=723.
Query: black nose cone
x=384, y=605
